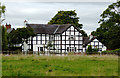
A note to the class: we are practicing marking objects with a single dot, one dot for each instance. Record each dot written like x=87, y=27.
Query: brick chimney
x=8, y=26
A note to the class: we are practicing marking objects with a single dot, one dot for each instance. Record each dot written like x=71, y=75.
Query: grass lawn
x=20, y=65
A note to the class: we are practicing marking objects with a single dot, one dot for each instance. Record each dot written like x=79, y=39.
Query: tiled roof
x=86, y=40
x=49, y=28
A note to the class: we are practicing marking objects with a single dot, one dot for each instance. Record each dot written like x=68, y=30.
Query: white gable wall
x=76, y=44
x=96, y=44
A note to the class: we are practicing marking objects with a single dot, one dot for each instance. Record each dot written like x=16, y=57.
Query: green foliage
x=4, y=38
x=14, y=48
x=95, y=51
x=66, y=17
x=2, y=11
x=112, y=51
x=16, y=36
x=50, y=46
x=109, y=31
x=84, y=34
x=91, y=50
x=19, y=65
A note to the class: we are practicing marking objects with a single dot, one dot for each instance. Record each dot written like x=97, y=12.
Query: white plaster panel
x=34, y=38
x=67, y=33
x=72, y=33
x=76, y=42
x=63, y=33
x=63, y=37
x=38, y=37
x=63, y=42
x=72, y=42
x=72, y=28
x=96, y=43
x=63, y=46
x=67, y=42
x=81, y=42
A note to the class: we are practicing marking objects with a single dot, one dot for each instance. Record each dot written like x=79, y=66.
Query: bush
x=15, y=48
x=17, y=51
x=116, y=51
x=91, y=51
x=95, y=50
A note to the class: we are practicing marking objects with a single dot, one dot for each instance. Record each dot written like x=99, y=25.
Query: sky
x=39, y=12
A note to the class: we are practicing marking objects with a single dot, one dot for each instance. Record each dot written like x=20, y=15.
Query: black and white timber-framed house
x=64, y=38
x=94, y=42
x=60, y=39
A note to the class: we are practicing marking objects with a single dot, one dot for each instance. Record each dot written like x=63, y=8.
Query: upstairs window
x=51, y=37
x=72, y=37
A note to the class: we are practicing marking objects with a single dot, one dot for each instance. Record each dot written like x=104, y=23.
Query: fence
x=68, y=53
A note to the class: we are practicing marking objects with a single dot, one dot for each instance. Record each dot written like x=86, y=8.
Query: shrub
x=17, y=51
x=91, y=51
x=116, y=51
x=95, y=50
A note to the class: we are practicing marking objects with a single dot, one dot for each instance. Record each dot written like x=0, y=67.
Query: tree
x=16, y=36
x=84, y=34
x=66, y=17
x=109, y=31
x=2, y=11
x=4, y=38
x=89, y=49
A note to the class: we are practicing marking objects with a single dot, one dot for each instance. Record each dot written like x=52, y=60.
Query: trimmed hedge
x=116, y=51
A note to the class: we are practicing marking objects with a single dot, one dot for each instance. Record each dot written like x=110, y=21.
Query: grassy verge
x=18, y=65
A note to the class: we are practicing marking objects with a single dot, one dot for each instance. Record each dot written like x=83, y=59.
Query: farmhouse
x=94, y=42
x=59, y=38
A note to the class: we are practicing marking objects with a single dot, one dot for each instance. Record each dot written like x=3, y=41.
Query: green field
x=20, y=65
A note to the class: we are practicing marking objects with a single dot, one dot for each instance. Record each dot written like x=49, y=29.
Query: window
x=51, y=37
x=71, y=49
x=43, y=37
x=38, y=37
x=41, y=48
x=71, y=37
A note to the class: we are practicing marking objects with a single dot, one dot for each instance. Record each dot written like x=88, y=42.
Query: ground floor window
x=40, y=48
x=71, y=49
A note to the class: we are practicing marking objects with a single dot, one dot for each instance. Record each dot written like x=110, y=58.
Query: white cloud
x=37, y=12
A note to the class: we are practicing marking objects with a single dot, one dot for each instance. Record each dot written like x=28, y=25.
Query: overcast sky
x=41, y=12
